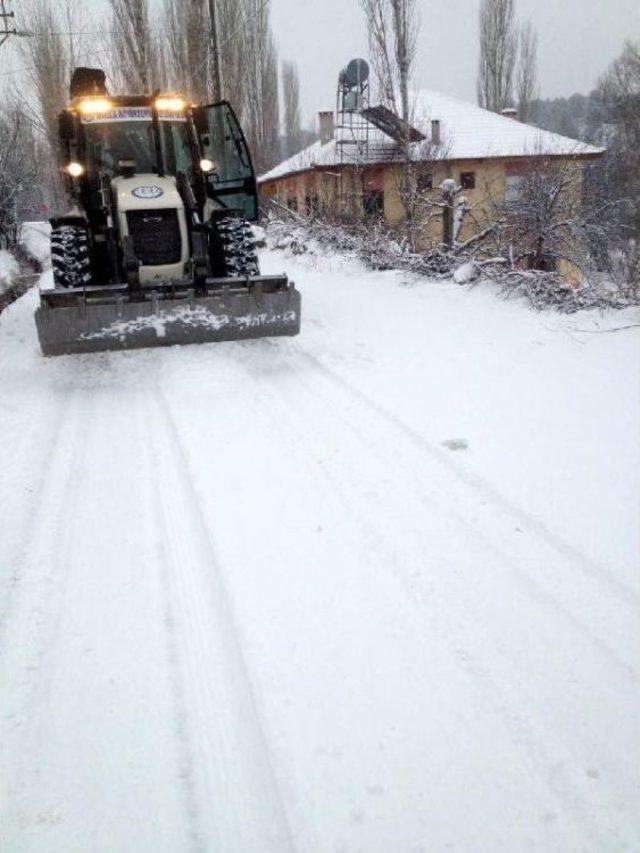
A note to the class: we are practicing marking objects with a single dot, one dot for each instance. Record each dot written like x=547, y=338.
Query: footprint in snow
x=456, y=443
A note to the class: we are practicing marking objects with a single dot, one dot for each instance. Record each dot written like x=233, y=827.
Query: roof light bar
x=95, y=106
x=170, y=103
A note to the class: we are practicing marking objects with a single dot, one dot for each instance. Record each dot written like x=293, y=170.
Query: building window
x=467, y=180
x=513, y=188
x=311, y=204
x=425, y=182
x=373, y=204
x=292, y=203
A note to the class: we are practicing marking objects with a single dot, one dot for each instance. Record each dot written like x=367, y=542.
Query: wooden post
x=448, y=192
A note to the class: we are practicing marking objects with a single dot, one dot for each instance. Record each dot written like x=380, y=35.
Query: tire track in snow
x=185, y=756
x=233, y=789
x=556, y=764
x=513, y=553
x=513, y=562
x=31, y=624
x=39, y=552
x=625, y=593
x=32, y=510
x=108, y=763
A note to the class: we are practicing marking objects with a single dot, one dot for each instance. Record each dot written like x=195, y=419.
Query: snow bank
x=34, y=236
x=9, y=270
x=466, y=273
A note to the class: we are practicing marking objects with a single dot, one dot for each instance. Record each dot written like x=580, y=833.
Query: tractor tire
x=238, y=247
x=70, y=256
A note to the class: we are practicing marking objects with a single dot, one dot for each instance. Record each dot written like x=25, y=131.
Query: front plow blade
x=93, y=322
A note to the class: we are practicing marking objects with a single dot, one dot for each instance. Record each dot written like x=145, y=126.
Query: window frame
x=424, y=182
x=468, y=180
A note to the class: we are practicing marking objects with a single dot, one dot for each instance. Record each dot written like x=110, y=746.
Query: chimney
x=325, y=120
x=510, y=112
x=435, y=132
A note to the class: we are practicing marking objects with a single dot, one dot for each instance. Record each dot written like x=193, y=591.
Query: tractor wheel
x=70, y=256
x=238, y=247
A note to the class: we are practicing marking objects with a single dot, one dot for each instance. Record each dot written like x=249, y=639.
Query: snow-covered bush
x=34, y=242
x=625, y=267
x=9, y=271
x=381, y=248
x=20, y=165
x=376, y=245
x=466, y=273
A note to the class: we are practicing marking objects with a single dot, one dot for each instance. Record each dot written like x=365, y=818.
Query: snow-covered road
x=370, y=589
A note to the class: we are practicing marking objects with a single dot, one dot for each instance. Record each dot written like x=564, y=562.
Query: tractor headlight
x=95, y=106
x=170, y=104
x=74, y=169
x=207, y=165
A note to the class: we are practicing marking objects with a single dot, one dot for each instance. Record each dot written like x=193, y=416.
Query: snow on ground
x=9, y=270
x=370, y=589
x=34, y=236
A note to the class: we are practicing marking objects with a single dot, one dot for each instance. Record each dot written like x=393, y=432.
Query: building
x=356, y=171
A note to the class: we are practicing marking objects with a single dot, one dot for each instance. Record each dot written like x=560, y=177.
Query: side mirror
x=66, y=126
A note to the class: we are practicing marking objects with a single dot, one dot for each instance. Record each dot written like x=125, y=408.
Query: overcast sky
x=577, y=40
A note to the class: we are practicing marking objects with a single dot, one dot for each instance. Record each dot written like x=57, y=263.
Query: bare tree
x=175, y=44
x=232, y=28
x=189, y=48
x=405, y=28
x=134, y=59
x=527, y=73
x=186, y=25
x=291, y=105
x=393, y=28
x=379, y=27
x=263, y=106
x=48, y=62
x=20, y=168
x=405, y=31
x=620, y=88
x=619, y=91
x=498, y=51
x=54, y=49
x=248, y=59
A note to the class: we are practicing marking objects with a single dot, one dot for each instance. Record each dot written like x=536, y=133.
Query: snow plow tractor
x=156, y=247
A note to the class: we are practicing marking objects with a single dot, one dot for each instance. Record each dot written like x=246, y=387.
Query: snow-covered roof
x=467, y=132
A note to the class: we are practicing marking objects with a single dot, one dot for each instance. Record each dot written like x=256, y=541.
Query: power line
x=81, y=32
x=5, y=19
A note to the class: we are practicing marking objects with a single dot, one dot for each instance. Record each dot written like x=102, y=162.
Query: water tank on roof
x=355, y=74
x=353, y=101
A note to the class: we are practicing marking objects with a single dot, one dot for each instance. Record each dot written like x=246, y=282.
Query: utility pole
x=215, y=52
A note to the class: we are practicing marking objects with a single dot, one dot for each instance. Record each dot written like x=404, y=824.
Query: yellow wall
x=324, y=183
x=490, y=185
